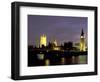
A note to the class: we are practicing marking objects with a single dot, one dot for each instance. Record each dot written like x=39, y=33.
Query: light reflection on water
x=82, y=59
x=63, y=60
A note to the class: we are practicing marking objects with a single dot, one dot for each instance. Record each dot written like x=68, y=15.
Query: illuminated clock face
x=82, y=36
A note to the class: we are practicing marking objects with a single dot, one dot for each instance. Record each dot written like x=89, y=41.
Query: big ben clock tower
x=82, y=41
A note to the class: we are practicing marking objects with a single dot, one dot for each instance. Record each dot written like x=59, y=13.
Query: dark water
x=41, y=60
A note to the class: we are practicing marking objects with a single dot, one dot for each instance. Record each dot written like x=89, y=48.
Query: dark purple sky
x=61, y=28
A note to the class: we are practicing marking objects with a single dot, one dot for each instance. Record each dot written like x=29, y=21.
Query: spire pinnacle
x=82, y=33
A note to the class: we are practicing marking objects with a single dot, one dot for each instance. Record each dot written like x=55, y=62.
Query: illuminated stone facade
x=82, y=41
x=43, y=40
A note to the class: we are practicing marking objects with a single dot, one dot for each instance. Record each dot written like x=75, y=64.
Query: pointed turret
x=82, y=33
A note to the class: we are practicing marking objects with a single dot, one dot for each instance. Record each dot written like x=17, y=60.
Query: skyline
x=61, y=28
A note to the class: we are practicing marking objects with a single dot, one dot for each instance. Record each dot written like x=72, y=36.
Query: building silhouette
x=81, y=46
x=55, y=43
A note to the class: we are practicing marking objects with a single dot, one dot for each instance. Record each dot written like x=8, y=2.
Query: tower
x=43, y=40
x=55, y=42
x=82, y=41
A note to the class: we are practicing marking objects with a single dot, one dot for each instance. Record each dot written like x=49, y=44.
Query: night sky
x=61, y=28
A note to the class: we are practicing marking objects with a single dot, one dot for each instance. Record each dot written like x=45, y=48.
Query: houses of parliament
x=81, y=46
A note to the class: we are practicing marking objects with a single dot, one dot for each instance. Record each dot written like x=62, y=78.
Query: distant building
x=77, y=46
x=55, y=47
x=43, y=40
x=55, y=42
x=82, y=41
